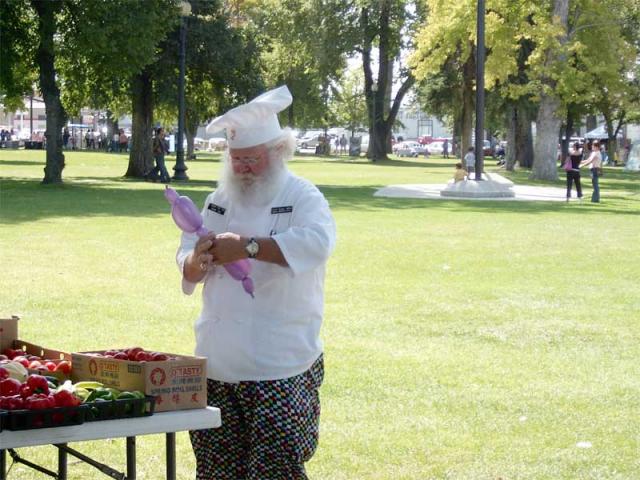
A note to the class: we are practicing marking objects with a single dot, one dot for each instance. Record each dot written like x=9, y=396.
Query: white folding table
x=165, y=422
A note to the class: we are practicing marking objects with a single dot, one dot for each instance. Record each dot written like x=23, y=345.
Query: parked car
x=487, y=149
x=364, y=144
x=435, y=148
x=409, y=149
x=309, y=141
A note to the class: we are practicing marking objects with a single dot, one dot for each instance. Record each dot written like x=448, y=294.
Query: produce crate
x=45, y=418
x=117, y=409
x=47, y=354
x=177, y=384
x=3, y=416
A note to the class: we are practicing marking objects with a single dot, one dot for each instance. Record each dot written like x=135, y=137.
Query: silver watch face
x=252, y=247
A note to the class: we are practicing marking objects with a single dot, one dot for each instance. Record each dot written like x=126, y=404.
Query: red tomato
x=143, y=356
x=64, y=367
x=10, y=387
x=132, y=353
x=39, y=401
x=22, y=360
x=38, y=384
x=121, y=356
x=35, y=365
x=14, y=402
x=25, y=390
x=50, y=366
x=64, y=398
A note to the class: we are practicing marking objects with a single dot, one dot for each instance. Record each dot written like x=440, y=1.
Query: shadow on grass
x=26, y=200
x=21, y=163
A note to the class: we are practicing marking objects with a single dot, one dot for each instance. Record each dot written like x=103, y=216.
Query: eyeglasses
x=245, y=161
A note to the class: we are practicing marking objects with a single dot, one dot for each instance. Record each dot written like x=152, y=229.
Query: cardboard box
x=178, y=384
x=8, y=331
x=56, y=356
x=9, y=339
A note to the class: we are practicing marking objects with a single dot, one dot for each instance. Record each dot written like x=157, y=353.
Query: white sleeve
x=311, y=238
x=187, y=244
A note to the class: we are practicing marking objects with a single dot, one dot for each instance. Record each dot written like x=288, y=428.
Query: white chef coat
x=276, y=334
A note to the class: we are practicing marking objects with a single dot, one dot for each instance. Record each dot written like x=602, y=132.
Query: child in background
x=470, y=160
x=460, y=173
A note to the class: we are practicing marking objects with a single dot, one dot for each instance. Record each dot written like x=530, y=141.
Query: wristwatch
x=252, y=248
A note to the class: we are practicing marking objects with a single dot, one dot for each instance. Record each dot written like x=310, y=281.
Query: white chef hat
x=256, y=122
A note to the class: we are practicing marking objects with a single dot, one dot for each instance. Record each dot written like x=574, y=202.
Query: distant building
x=416, y=124
x=32, y=113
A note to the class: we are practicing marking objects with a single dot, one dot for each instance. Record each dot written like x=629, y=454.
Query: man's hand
x=228, y=247
x=200, y=260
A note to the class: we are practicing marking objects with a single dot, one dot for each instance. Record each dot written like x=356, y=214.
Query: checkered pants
x=269, y=429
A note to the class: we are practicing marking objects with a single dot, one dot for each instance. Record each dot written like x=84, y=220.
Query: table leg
x=3, y=464
x=62, y=463
x=171, y=456
x=131, y=458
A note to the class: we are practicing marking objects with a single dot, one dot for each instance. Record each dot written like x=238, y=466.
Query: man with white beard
x=264, y=354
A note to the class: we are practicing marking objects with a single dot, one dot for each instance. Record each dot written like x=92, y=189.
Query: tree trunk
x=190, y=130
x=141, y=155
x=112, y=127
x=546, y=146
x=611, y=139
x=380, y=124
x=512, y=127
x=548, y=122
x=524, y=138
x=56, y=115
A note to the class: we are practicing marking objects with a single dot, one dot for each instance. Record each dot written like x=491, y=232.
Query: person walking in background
x=595, y=162
x=573, y=174
x=604, y=154
x=65, y=138
x=123, y=140
x=159, y=172
x=343, y=145
x=445, y=148
x=470, y=161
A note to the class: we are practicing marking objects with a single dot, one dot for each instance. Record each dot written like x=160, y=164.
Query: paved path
x=432, y=192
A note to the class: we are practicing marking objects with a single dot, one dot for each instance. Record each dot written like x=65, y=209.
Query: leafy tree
x=221, y=68
x=304, y=44
x=348, y=105
x=606, y=80
x=385, y=27
x=446, y=51
x=76, y=47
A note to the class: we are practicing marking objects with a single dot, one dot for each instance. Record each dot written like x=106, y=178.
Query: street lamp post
x=480, y=56
x=373, y=136
x=180, y=168
x=31, y=117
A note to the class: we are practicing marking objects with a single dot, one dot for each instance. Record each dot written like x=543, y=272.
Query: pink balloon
x=188, y=219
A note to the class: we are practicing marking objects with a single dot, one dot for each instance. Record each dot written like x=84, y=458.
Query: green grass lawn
x=464, y=340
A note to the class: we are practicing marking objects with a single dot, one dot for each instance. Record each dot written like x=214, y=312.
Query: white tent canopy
x=599, y=133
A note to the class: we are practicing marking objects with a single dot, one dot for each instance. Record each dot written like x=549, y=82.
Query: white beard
x=250, y=189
